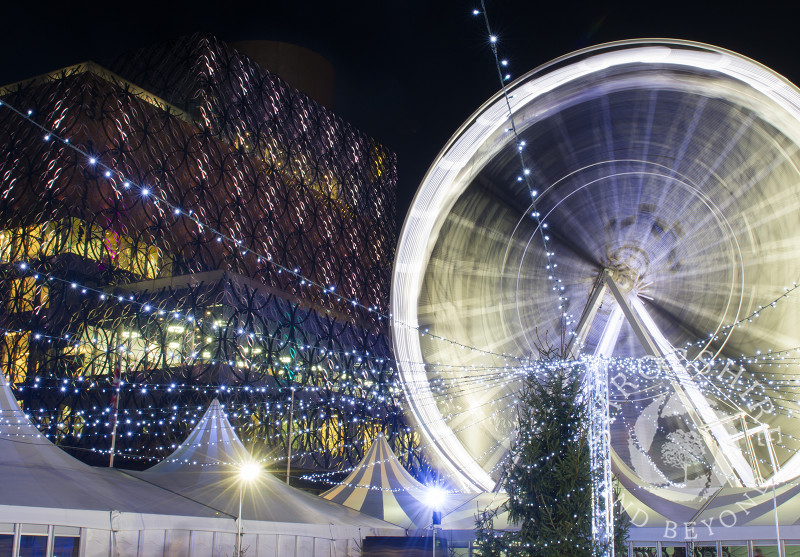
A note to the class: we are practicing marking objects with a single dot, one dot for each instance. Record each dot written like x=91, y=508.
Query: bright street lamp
x=435, y=497
x=248, y=471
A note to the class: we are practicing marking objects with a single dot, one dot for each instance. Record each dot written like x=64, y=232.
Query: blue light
x=435, y=496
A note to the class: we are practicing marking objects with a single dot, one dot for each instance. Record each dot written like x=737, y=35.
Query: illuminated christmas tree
x=548, y=477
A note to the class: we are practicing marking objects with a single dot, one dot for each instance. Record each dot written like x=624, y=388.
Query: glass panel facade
x=66, y=546
x=673, y=551
x=86, y=240
x=705, y=551
x=6, y=544
x=32, y=546
x=734, y=550
x=791, y=550
x=765, y=550
x=644, y=551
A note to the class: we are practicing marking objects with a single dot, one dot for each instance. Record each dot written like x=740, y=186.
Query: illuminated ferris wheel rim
x=469, y=150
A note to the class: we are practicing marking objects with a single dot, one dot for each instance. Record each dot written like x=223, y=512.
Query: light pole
x=289, y=435
x=248, y=471
x=434, y=498
x=116, y=386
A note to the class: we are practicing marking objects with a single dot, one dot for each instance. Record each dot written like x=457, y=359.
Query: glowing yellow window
x=95, y=245
x=26, y=295
x=331, y=435
x=76, y=238
x=14, y=355
x=6, y=244
x=152, y=262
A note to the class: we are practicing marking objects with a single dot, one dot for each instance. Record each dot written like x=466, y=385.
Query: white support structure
x=600, y=435
x=718, y=433
x=600, y=458
x=587, y=318
x=726, y=452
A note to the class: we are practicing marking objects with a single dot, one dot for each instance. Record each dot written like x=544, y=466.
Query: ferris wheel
x=663, y=221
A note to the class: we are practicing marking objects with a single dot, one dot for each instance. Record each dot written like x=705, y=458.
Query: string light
x=550, y=264
x=507, y=373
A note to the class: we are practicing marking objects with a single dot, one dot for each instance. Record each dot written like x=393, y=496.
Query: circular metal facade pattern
x=676, y=162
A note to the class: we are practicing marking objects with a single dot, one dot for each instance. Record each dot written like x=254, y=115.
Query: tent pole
x=289, y=442
x=239, y=521
x=115, y=392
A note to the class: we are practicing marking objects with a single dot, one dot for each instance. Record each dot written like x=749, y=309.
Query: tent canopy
x=199, y=479
x=205, y=468
x=36, y=473
x=381, y=487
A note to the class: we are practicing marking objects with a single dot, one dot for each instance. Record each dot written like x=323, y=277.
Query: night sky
x=407, y=73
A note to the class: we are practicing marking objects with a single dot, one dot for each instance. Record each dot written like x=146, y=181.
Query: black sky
x=407, y=73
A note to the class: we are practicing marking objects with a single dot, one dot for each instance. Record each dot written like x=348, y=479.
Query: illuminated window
x=378, y=163
x=371, y=431
x=95, y=244
x=152, y=266
x=94, y=356
x=6, y=245
x=77, y=235
x=99, y=351
x=65, y=421
x=14, y=353
x=119, y=250
x=27, y=295
x=116, y=249
x=331, y=436
x=179, y=344
x=40, y=240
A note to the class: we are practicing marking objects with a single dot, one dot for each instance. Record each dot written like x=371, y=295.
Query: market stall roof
x=36, y=473
x=381, y=487
x=205, y=468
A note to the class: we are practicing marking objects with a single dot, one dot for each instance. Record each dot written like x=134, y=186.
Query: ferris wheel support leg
x=600, y=439
x=773, y=462
x=727, y=454
x=575, y=344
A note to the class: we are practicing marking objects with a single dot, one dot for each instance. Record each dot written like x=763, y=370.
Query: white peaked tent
x=381, y=487
x=46, y=493
x=204, y=469
x=37, y=474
